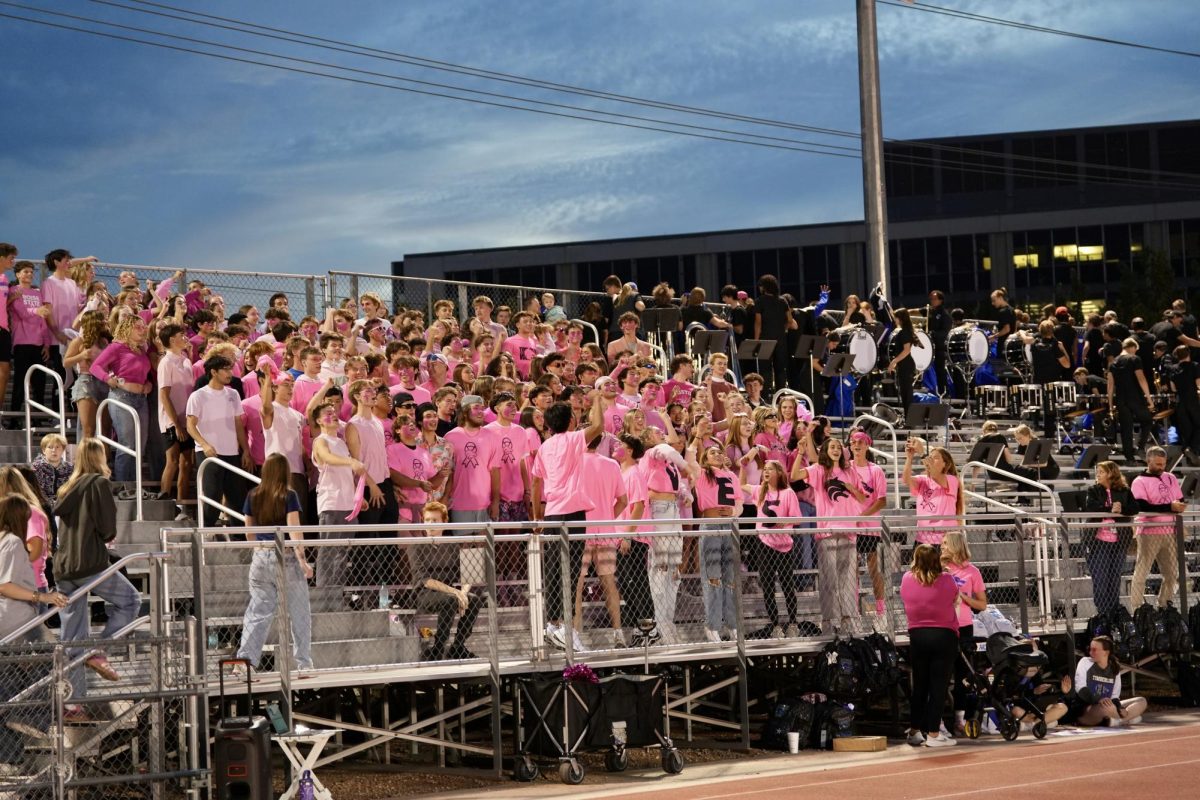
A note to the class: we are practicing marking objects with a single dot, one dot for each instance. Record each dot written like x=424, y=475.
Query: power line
x=1026, y=26
x=725, y=135
x=254, y=29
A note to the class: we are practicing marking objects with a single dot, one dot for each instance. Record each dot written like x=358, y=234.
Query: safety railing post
x=1022, y=589
x=310, y=296
x=283, y=655
x=1182, y=567
x=60, y=416
x=203, y=499
x=567, y=585
x=537, y=604
x=740, y=639
x=493, y=654
x=135, y=452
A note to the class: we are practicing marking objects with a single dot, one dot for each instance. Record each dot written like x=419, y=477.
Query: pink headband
x=861, y=436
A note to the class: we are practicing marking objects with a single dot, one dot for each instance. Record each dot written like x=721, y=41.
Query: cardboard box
x=860, y=744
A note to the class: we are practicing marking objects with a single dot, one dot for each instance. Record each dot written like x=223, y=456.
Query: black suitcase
x=241, y=747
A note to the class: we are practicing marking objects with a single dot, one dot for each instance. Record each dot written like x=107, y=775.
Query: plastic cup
x=793, y=741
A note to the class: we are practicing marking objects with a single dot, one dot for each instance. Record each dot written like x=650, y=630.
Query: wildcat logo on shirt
x=836, y=489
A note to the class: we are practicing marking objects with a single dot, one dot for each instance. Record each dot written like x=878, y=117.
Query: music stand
x=1093, y=455
x=756, y=350
x=809, y=348
x=838, y=365
x=987, y=453
x=927, y=416
x=1174, y=456
x=708, y=342
x=1074, y=502
x=661, y=320
x=1038, y=454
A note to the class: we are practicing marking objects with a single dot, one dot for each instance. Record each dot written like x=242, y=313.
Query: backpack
x=788, y=715
x=831, y=720
x=840, y=671
x=1178, y=639
x=1188, y=677
x=887, y=661
x=1194, y=620
x=1128, y=643
x=1154, y=637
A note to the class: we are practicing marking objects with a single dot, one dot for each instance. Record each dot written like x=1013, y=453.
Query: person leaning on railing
x=1160, y=499
x=1105, y=546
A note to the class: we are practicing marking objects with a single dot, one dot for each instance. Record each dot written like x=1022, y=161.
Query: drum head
x=1018, y=354
x=977, y=347
x=862, y=348
x=922, y=356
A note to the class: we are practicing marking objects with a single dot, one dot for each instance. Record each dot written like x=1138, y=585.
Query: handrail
x=83, y=591
x=891, y=429
x=808, y=401
x=60, y=415
x=1055, y=507
x=595, y=331
x=203, y=500
x=135, y=451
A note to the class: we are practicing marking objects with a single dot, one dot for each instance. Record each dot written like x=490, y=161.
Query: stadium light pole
x=874, y=195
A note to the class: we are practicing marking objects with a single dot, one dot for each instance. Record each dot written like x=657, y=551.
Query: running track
x=1163, y=762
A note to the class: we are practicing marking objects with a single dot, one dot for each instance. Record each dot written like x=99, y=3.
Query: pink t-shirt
x=511, y=447
x=474, y=454
x=411, y=462
x=606, y=486
x=65, y=298
x=777, y=503
x=419, y=395
x=335, y=484
x=38, y=528
x=557, y=463
x=873, y=483
x=1107, y=533
x=175, y=374
x=372, y=447
x=718, y=490
x=285, y=436
x=662, y=473
x=216, y=412
x=935, y=501
x=523, y=350
x=969, y=582
x=832, y=498
x=776, y=447
x=753, y=470
x=1157, y=490
x=678, y=392
x=252, y=419
x=929, y=606
x=27, y=326
x=304, y=390
x=614, y=418
x=635, y=492
x=654, y=419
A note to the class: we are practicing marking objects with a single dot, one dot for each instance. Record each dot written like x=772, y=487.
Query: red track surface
x=1164, y=764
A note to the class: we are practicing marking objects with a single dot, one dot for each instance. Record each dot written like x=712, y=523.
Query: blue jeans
x=1105, y=561
x=716, y=558
x=804, y=550
x=125, y=468
x=264, y=600
x=121, y=602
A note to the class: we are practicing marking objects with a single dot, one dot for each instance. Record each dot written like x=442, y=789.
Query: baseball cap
x=470, y=400
x=1062, y=311
x=401, y=398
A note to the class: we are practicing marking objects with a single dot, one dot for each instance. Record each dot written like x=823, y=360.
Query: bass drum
x=1017, y=354
x=859, y=343
x=967, y=346
x=921, y=350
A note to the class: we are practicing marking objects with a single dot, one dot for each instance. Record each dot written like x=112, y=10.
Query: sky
x=141, y=155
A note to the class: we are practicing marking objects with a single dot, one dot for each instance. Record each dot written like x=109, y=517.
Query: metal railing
x=59, y=416
x=203, y=500
x=890, y=429
x=135, y=452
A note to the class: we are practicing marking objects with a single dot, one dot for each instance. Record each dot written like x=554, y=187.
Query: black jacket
x=89, y=520
x=1097, y=500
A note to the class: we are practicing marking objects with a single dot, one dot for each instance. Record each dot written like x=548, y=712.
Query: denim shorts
x=87, y=387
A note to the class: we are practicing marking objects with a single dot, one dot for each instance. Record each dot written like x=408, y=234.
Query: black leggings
x=552, y=596
x=774, y=566
x=906, y=376
x=634, y=583
x=964, y=691
x=931, y=652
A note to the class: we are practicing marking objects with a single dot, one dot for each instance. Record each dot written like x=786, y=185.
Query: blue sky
x=140, y=155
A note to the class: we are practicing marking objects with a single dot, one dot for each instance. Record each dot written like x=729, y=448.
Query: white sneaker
x=989, y=726
x=618, y=639
x=915, y=737
x=777, y=632
x=576, y=643
x=1134, y=720
x=792, y=631
x=940, y=741
x=554, y=636
x=942, y=730
x=730, y=634
x=711, y=635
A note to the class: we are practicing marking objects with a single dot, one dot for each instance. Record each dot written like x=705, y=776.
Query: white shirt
x=215, y=411
x=286, y=436
x=174, y=373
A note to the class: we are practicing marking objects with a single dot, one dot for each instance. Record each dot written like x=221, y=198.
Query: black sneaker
x=460, y=653
x=432, y=654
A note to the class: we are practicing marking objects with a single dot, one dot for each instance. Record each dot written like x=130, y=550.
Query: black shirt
x=773, y=311
x=1124, y=371
x=1005, y=316
x=1045, y=355
x=1165, y=332
x=939, y=324
x=1095, y=357
x=1183, y=375
x=901, y=337
x=1094, y=385
x=739, y=317
x=701, y=314
x=1065, y=333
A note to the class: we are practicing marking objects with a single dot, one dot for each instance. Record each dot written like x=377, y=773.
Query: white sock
x=960, y=717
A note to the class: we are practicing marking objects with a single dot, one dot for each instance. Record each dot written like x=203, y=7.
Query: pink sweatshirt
x=930, y=606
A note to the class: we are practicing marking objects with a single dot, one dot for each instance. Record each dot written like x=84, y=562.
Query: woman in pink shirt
x=664, y=469
x=873, y=483
x=632, y=579
x=837, y=494
x=125, y=367
x=771, y=550
x=938, y=492
x=32, y=338
x=86, y=391
x=929, y=597
x=718, y=498
x=956, y=561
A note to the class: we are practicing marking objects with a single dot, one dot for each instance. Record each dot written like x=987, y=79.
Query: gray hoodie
x=89, y=519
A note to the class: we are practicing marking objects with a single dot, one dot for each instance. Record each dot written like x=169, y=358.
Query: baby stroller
x=1005, y=687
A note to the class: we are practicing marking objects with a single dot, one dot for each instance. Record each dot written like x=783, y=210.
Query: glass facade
x=956, y=265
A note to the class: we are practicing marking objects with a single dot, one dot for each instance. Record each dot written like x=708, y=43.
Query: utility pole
x=874, y=198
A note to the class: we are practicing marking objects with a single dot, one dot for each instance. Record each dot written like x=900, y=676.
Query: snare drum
x=994, y=399
x=1017, y=354
x=1062, y=393
x=967, y=346
x=1029, y=397
x=859, y=343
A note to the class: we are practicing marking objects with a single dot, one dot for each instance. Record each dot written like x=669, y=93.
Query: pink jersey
x=720, y=489
x=512, y=445
x=412, y=462
x=1157, y=490
x=935, y=501
x=969, y=582
x=474, y=454
x=39, y=528
x=304, y=390
x=662, y=471
x=832, y=498
x=777, y=503
x=776, y=447
x=606, y=486
x=678, y=392
x=252, y=419
x=558, y=464
x=523, y=349
x=614, y=418
x=873, y=483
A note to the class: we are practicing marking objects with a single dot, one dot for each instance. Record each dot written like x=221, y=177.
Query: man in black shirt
x=772, y=320
x=435, y=572
x=1049, y=358
x=1145, y=341
x=938, y=324
x=1129, y=397
x=1185, y=377
x=1065, y=332
x=1170, y=330
x=1093, y=345
x=1006, y=320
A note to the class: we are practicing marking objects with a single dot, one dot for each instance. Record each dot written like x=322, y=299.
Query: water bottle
x=213, y=641
x=306, y=789
x=385, y=597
